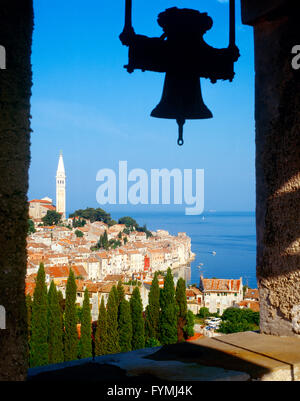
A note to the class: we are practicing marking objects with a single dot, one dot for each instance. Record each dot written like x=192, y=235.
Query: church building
x=38, y=208
x=61, y=187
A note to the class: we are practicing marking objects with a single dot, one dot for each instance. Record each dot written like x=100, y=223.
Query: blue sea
x=230, y=234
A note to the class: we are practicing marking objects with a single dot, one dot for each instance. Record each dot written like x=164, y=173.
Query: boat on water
x=214, y=253
x=200, y=265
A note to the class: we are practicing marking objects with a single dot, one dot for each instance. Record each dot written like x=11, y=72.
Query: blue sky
x=85, y=104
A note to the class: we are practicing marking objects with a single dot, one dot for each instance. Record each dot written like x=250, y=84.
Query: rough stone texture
x=277, y=114
x=16, y=24
x=255, y=10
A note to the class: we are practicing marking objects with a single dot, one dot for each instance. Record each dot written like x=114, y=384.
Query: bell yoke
x=185, y=57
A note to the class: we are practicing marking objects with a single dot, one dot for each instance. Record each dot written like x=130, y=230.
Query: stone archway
x=277, y=171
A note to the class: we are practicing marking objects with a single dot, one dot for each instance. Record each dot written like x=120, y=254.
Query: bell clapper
x=180, y=122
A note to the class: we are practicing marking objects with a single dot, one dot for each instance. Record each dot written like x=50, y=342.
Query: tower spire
x=61, y=187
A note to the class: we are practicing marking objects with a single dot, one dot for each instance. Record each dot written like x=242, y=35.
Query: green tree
x=78, y=313
x=189, y=326
x=29, y=314
x=52, y=218
x=138, y=329
x=152, y=311
x=121, y=292
x=169, y=310
x=113, y=345
x=39, y=322
x=204, y=313
x=235, y=320
x=78, y=233
x=31, y=228
x=55, y=333
x=128, y=221
x=125, y=326
x=181, y=301
x=71, y=336
x=79, y=223
x=101, y=339
x=93, y=215
x=85, y=344
x=62, y=304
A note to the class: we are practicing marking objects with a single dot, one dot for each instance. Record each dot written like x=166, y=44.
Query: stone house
x=220, y=294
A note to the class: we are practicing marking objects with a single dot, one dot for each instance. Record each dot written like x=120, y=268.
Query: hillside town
x=135, y=259
x=60, y=249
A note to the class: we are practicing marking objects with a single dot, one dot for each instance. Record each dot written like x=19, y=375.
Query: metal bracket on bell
x=180, y=122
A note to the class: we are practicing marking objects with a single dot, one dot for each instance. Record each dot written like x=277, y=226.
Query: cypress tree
x=62, y=303
x=29, y=315
x=138, y=330
x=168, y=316
x=85, y=345
x=101, y=331
x=121, y=292
x=153, y=311
x=113, y=345
x=125, y=326
x=189, y=327
x=39, y=322
x=55, y=332
x=71, y=336
x=182, y=308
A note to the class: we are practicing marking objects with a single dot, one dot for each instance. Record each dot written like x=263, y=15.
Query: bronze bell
x=184, y=56
x=181, y=100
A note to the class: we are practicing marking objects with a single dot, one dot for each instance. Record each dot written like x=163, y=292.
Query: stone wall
x=16, y=23
x=277, y=113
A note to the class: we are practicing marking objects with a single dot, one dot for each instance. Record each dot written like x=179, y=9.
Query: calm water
x=230, y=235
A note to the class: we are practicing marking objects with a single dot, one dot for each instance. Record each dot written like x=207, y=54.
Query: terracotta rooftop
x=211, y=284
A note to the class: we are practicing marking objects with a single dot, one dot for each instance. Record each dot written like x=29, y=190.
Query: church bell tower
x=61, y=187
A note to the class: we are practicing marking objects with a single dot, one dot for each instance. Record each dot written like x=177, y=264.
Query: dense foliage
x=122, y=325
x=132, y=225
x=169, y=311
x=136, y=306
x=181, y=301
x=85, y=343
x=52, y=218
x=31, y=228
x=204, y=312
x=39, y=354
x=93, y=215
x=113, y=345
x=101, y=338
x=78, y=233
x=152, y=312
x=55, y=328
x=71, y=335
x=235, y=320
x=125, y=326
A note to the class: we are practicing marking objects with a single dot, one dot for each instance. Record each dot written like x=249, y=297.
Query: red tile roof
x=253, y=305
x=63, y=271
x=211, y=284
x=252, y=293
x=40, y=201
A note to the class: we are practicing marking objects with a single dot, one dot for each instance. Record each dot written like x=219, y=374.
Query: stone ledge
x=233, y=357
